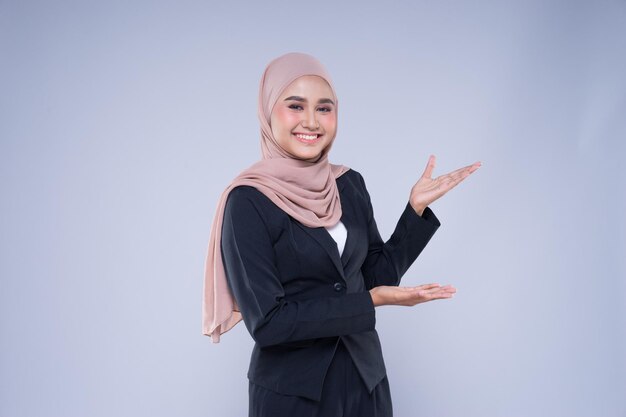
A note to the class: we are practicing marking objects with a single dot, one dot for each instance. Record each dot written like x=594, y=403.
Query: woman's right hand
x=409, y=296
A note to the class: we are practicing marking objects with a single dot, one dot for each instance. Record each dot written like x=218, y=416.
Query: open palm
x=409, y=296
x=428, y=189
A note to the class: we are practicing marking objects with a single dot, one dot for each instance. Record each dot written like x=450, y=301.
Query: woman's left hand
x=427, y=189
x=410, y=296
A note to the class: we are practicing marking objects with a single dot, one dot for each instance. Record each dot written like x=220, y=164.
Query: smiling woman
x=296, y=254
x=304, y=120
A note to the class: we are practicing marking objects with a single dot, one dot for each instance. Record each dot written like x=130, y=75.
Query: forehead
x=308, y=85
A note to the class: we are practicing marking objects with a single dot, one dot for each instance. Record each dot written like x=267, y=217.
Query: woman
x=295, y=252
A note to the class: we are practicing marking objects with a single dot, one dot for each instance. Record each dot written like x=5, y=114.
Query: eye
x=295, y=106
x=325, y=109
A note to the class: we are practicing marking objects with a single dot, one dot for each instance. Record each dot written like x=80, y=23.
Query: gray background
x=122, y=122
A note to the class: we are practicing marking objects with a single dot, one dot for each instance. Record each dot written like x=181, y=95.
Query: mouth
x=308, y=138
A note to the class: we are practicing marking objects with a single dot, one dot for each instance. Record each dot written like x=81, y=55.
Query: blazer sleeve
x=271, y=318
x=386, y=262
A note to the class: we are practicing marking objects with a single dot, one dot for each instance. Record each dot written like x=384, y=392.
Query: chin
x=308, y=156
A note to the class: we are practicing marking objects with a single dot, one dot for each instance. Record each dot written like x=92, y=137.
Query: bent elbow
x=277, y=327
x=268, y=335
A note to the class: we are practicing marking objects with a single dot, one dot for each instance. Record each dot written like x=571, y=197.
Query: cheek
x=286, y=118
x=330, y=123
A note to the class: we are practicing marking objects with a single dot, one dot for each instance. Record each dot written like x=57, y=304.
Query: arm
x=386, y=262
x=270, y=317
x=410, y=237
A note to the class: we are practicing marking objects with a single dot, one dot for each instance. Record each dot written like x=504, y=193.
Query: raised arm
x=386, y=262
x=423, y=193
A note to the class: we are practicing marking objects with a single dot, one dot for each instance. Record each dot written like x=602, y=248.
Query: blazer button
x=338, y=286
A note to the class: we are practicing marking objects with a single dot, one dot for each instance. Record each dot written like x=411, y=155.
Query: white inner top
x=339, y=233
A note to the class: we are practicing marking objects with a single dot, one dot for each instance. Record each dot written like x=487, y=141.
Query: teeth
x=309, y=137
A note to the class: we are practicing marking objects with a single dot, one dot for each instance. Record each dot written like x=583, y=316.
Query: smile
x=307, y=138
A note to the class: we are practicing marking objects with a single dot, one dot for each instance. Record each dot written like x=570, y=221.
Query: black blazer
x=298, y=297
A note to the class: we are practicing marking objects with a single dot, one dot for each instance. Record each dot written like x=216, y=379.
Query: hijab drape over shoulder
x=307, y=191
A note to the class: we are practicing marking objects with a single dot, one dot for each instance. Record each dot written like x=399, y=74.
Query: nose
x=310, y=121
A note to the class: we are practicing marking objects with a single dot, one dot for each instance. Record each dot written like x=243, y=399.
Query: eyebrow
x=302, y=99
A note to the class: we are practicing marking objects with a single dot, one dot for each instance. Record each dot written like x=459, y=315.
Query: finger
x=426, y=287
x=446, y=292
x=436, y=290
x=447, y=181
x=443, y=297
x=439, y=295
x=469, y=170
x=448, y=288
x=475, y=165
x=442, y=291
x=430, y=166
x=464, y=171
x=455, y=177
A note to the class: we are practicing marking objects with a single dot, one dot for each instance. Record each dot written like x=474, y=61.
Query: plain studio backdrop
x=122, y=122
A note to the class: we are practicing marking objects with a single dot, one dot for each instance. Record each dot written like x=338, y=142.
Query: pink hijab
x=307, y=191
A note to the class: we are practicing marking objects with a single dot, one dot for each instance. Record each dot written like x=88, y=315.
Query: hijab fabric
x=306, y=191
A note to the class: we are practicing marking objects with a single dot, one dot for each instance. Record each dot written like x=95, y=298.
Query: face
x=304, y=118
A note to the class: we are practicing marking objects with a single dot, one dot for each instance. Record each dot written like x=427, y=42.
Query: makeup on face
x=303, y=119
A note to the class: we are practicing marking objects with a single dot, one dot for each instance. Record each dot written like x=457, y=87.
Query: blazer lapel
x=348, y=218
x=321, y=235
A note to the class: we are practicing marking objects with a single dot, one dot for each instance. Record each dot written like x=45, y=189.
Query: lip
x=308, y=142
